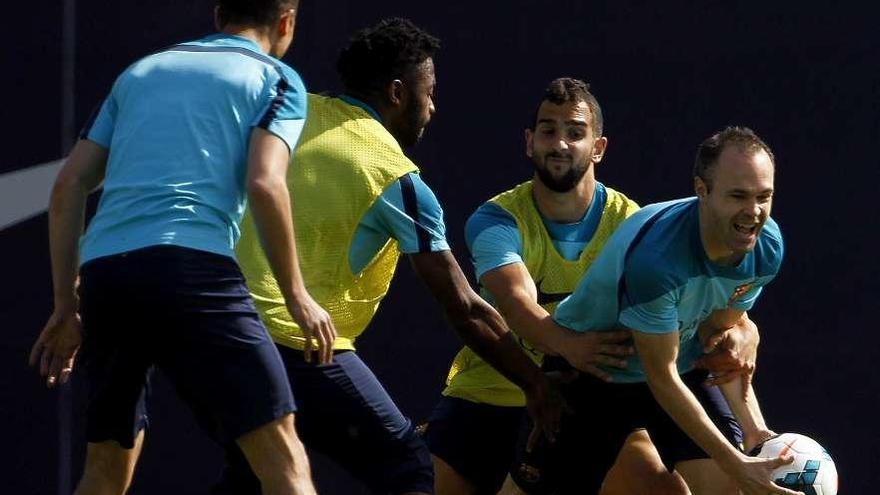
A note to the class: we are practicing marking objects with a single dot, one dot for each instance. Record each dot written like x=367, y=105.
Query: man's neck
x=567, y=207
x=258, y=36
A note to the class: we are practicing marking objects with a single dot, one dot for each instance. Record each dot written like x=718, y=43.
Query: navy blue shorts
x=346, y=414
x=477, y=440
x=188, y=313
x=604, y=415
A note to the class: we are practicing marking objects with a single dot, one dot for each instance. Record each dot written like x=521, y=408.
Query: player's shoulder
x=659, y=239
x=290, y=83
x=769, y=249
x=291, y=75
x=488, y=216
x=771, y=234
x=616, y=199
x=421, y=189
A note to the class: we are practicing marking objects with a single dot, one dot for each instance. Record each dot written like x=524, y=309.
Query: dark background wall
x=804, y=75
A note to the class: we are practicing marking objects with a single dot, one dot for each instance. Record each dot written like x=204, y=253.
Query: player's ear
x=218, y=25
x=395, y=91
x=286, y=22
x=530, y=142
x=700, y=187
x=599, y=147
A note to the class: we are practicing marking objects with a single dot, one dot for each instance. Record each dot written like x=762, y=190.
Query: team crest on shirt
x=740, y=291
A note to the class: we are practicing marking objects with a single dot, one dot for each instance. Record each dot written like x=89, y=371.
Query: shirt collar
x=361, y=104
x=234, y=40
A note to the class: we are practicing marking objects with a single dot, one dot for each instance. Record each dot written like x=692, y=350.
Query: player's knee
x=273, y=448
x=448, y=481
x=667, y=483
x=108, y=470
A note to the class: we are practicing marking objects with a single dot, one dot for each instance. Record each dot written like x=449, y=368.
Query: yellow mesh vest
x=472, y=378
x=344, y=160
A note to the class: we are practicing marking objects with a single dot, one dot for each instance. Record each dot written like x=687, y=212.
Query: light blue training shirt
x=653, y=276
x=407, y=211
x=177, y=125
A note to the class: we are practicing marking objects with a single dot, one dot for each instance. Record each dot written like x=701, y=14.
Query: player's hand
x=732, y=353
x=752, y=475
x=56, y=347
x=546, y=406
x=317, y=328
x=584, y=351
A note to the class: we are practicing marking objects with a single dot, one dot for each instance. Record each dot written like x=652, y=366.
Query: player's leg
x=277, y=457
x=224, y=365
x=472, y=445
x=448, y=481
x=702, y=475
x=109, y=467
x=346, y=414
x=116, y=367
x=510, y=487
x=639, y=469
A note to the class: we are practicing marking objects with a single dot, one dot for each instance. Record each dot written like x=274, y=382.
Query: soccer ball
x=812, y=472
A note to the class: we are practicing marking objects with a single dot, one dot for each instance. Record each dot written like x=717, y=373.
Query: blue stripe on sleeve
x=280, y=88
x=411, y=207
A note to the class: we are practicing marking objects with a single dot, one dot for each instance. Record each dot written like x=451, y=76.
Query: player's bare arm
x=270, y=205
x=483, y=330
x=731, y=340
x=516, y=297
x=56, y=347
x=658, y=353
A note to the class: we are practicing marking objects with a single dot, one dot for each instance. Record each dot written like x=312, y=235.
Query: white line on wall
x=25, y=193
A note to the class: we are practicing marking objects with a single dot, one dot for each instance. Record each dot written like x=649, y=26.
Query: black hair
x=379, y=54
x=568, y=89
x=711, y=148
x=252, y=12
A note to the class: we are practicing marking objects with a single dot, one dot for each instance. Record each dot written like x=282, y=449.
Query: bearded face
x=562, y=145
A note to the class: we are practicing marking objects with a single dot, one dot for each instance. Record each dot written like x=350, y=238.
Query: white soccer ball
x=812, y=472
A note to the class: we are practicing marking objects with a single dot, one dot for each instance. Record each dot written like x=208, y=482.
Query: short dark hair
x=252, y=12
x=568, y=89
x=382, y=53
x=711, y=148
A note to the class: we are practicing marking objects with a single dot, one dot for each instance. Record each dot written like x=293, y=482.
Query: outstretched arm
x=516, y=296
x=483, y=330
x=56, y=347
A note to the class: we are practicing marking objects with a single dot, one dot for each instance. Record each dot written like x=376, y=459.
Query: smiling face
x=735, y=201
x=563, y=146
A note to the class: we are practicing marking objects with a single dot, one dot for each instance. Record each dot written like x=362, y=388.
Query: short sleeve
x=409, y=212
x=284, y=112
x=648, y=297
x=99, y=128
x=493, y=239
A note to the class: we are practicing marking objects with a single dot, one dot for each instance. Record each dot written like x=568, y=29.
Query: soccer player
x=530, y=246
x=180, y=140
x=674, y=273
x=360, y=203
